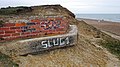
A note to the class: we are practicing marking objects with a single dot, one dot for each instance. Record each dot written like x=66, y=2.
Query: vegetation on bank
x=1, y=22
x=14, y=10
x=5, y=61
x=112, y=45
x=8, y=11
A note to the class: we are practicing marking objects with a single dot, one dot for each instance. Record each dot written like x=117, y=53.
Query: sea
x=106, y=17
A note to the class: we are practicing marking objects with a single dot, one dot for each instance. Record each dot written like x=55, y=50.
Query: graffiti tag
x=50, y=43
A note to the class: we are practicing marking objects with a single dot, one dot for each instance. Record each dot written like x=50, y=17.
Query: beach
x=108, y=26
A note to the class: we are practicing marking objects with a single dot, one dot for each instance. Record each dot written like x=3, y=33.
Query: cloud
x=76, y=6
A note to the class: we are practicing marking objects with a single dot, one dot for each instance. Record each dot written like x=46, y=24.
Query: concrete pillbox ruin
x=36, y=34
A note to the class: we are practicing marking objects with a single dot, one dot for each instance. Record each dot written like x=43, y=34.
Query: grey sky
x=76, y=6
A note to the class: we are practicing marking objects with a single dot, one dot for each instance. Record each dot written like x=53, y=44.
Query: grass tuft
x=112, y=45
x=6, y=61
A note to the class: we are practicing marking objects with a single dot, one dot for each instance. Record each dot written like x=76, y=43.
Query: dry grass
x=5, y=61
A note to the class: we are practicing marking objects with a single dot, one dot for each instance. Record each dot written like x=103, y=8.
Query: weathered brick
x=61, y=32
x=24, y=27
x=2, y=32
x=18, y=30
x=45, y=31
x=31, y=30
x=5, y=35
x=36, y=32
x=9, y=31
x=56, y=32
x=60, y=29
x=24, y=30
x=20, y=24
x=39, y=29
x=35, y=20
x=50, y=31
x=30, y=23
x=35, y=26
x=33, y=34
x=25, y=33
x=18, y=36
x=10, y=38
x=14, y=27
x=37, y=23
x=9, y=24
x=24, y=36
x=15, y=34
x=1, y=36
x=4, y=28
x=32, y=26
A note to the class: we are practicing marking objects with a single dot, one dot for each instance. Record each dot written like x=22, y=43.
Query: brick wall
x=33, y=28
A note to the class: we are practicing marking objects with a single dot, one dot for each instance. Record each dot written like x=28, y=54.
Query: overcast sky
x=76, y=6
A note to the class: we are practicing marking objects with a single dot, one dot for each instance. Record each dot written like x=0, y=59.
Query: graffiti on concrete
x=50, y=43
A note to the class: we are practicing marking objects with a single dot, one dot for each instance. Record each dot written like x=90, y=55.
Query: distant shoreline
x=109, y=26
x=110, y=21
x=106, y=17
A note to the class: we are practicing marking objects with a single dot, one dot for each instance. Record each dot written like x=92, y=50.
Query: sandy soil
x=109, y=26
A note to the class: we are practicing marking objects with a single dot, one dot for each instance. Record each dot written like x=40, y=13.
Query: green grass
x=14, y=10
x=7, y=11
x=112, y=45
x=1, y=22
x=6, y=61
